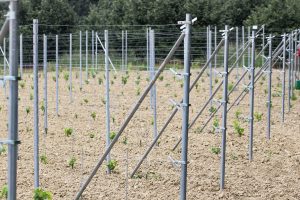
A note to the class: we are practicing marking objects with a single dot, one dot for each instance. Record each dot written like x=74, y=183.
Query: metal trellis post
x=289, y=72
x=86, y=55
x=152, y=74
x=93, y=49
x=251, y=88
x=269, y=102
x=185, y=106
x=237, y=51
x=283, y=76
x=13, y=101
x=4, y=62
x=210, y=64
x=45, y=86
x=224, y=103
x=70, y=69
x=80, y=59
x=122, y=65
x=36, y=103
x=126, y=50
x=56, y=70
x=21, y=55
x=96, y=51
x=243, y=44
x=107, y=105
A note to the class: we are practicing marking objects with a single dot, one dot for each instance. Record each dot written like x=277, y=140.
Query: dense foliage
x=276, y=14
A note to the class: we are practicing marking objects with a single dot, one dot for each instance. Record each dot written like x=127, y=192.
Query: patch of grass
x=43, y=108
x=138, y=91
x=212, y=109
x=238, y=114
x=124, y=80
x=258, y=116
x=68, y=131
x=93, y=115
x=276, y=94
x=27, y=109
x=125, y=140
x=72, y=162
x=100, y=81
x=237, y=128
x=40, y=194
x=112, y=135
x=112, y=164
x=230, y=87
x=293, y=97
x=216, y=150
x=4, y=192
x=2, y=149
x=22, y=85
x=66, y=76
x=44, y=159
x=216, y=124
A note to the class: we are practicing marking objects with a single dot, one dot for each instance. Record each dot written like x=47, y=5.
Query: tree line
x=275, y=14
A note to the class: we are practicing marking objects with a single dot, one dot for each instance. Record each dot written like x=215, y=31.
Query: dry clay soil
x=274, y=172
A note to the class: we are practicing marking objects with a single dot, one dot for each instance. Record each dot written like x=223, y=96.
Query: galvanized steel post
x=36, y=103
x=283, y=77
x=70, y=69
x=251, y=88
x=224, y=103
x=107, y=104
x=290, y=72
x=152, y=74
x=13, y=101
x=56, y=70
x=80, y=60
x=86, y=55
x=45, y=85
x=185, y=106
x=21, y=55
x=269, y=102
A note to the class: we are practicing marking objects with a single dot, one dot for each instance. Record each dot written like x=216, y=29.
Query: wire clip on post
x=9, y=142
x=8, y=78
x=176, y=104
x=178, y=75
x=176, y=163
x=183, y=23
x=220, y=102
x=220, y=74
x=223, y=32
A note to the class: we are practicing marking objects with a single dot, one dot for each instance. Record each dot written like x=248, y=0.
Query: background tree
x=277, y=15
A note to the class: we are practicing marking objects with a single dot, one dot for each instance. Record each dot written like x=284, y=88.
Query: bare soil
x=273, y=174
